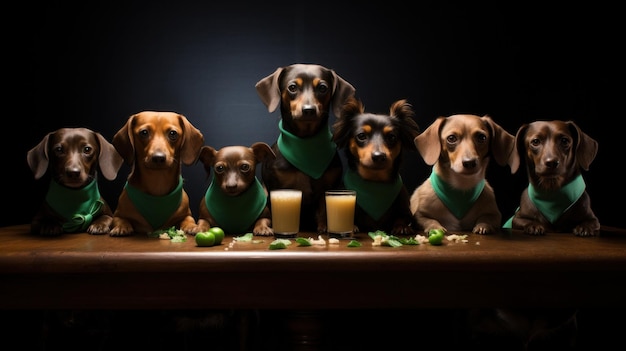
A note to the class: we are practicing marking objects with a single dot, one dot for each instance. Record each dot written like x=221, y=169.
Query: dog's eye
x=481, y=138
x=322, y=88
x=565, y=142
x=244, y=167
x=292, y=88
x=58, y=150
x=144, y=133
x=451, y=139
x=391, y=139
x=535, y=141
x=87, y=149
x=361, y=137
x=219, y=169
x=173, y=135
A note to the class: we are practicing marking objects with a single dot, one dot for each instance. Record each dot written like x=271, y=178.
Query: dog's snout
x=159, y=157
x=552, y=163
x=470, y=164
x=72, y=172
x=308, y=109
x=378, y=156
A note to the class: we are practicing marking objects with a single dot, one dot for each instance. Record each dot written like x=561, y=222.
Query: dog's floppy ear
x=402, y=110
x=520, y=148
x=123, y=141
x=342, y=90
x=37, y=157
x=428, y=142
x=269, y=91
x=262, y=152
x=586, y=146
x=192, y=142
x=502, y=145
x=342, y=129
x=109, y=159
x=207, y=157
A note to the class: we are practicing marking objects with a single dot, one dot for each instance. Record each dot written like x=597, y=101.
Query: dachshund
x=306, y=157
x=236, y=200
x=555, y=200
x=373, y=145
x=155, y=144
x=456, y=196
x=73, y=203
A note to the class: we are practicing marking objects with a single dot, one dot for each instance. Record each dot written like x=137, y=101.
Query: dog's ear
x=428, y=142
x=502, y=145
x=586, y=146
x=342, y=90
x=520, y=147
x=402, y=110
x=269, y=90
x=262, y=152
x=37, y=157
x=207, y=157
x=124, y=143
x=109, y=159
x=192, y=142
x=342, y=129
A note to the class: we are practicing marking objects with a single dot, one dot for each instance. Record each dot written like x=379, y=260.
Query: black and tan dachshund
x=373, y=146
x=306, y=156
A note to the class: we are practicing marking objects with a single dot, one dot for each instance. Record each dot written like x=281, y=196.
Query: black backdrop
x=93, y=64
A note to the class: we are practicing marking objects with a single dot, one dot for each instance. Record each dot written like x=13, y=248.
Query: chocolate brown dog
x=306, y=156
x=155, y=144
x=236, y=200
x=72, y=156
x=556, y=152
x=373, y=146
x=456, y=196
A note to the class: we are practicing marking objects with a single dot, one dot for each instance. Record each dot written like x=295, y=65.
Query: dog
x=236, y=200
x=73, y=203
x=155, y=144
x=306, y=157
x=373, y=145
x=555, y=200
x=456, y=196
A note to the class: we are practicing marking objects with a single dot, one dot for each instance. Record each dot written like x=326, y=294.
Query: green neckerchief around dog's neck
x=553, y=203
x=156, y=209
x=76, y=206
x=311, y=155
x=457, y=201
x=235, y=214
x=375, y=198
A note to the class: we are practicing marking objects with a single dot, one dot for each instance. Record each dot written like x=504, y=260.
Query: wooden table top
x=510, y=268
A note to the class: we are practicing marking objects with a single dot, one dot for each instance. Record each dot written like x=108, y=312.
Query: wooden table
x=138, y=272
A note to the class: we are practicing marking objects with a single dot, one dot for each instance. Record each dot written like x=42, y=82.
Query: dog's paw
x=582, y=230
x=102, y=225
x=535, y=229
x=482, y=229
x=404, y=230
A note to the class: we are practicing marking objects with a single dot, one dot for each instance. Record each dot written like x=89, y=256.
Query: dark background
x=93, y=64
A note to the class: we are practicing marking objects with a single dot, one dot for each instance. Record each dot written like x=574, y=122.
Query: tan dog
x=155, y=144
x=457, y=197
x=73, y=202
x=236, y=200
x=555, y=152
x=306, y=157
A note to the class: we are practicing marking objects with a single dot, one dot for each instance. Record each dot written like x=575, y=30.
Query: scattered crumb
x=320, y=241
x=333, y=241
x=457, y=238
x=422, y=239
x=164, y=236
x=478, y=243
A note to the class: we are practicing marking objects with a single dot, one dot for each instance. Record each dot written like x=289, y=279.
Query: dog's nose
x=379, y=157
x=552, y=163
x=469, y=164
x=159, y=157
x=308, y=110
x=72, y=173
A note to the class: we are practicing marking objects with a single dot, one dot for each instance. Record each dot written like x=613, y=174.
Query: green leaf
x=303, y=241
x=354, y=243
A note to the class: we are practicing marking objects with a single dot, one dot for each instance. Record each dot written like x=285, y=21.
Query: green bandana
x=156, y=209
x=457, y=201
x=236, y=214
x=77, y=206
x=553, y=203
x=373, y=197
x=310, y=155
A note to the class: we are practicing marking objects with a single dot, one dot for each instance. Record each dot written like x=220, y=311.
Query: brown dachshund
x=555, y=200
x=155, y=144
x=73, y=202
x=306, y=156
x=456, y=196
x=236, y=200
x=373, y=145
